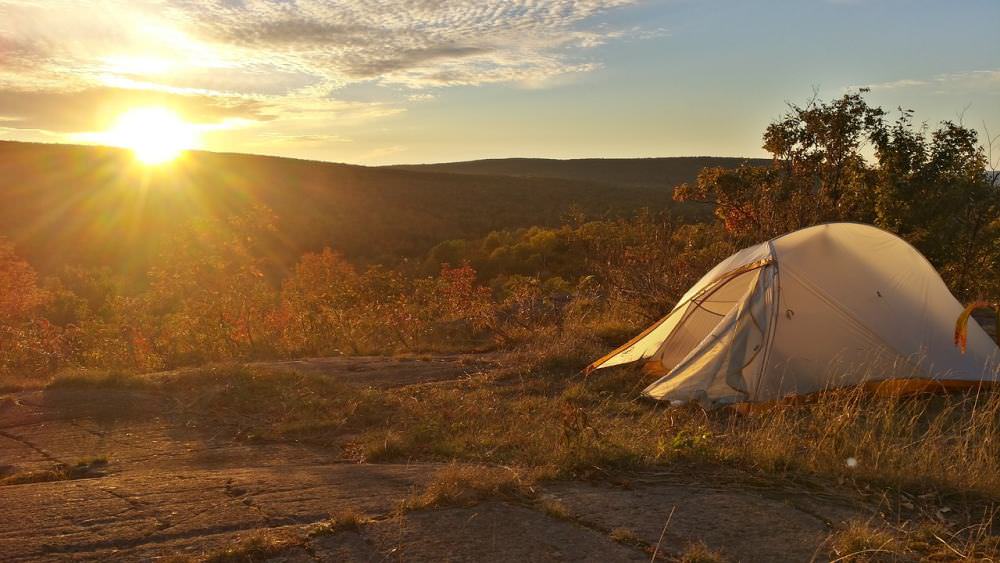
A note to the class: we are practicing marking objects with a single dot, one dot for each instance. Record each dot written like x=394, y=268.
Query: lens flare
x=155, y=135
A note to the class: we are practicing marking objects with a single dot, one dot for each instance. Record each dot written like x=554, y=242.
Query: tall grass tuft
x=919, y=442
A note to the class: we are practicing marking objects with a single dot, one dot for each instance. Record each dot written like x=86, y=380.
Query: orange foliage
x=28, y=344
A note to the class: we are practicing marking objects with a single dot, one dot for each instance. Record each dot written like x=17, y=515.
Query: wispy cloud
x=279, y=60
x=956, y=80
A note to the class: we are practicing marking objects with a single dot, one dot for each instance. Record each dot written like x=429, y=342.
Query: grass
x=863, y=541
x=875, y=541
x=534, y=422
x=559, y=425
x=625, y=535
x=919, y=444
x=6, y=388
x=253, y=403
x=556, y=509
x=347, y=519
x=927, y=443
x=258, y=546
x=83, y=468
x=277, y=405
x=698, y=552
x=466, y=485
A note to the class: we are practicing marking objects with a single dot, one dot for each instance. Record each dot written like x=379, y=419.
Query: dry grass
x=466, y=485
x=538, y=422
x=700, y=553
x=81, y=469
x=559, y=425
x=347, y=519
x=554, y=508
x=943, y=443
x=499, y=433
x=257, y=546
x=625, y=535
x=868, y=541
x=253, y=403
x=276, y=405
x=6, y=388
x=863, y=541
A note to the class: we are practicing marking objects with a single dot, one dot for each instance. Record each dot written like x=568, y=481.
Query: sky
x=411, y=81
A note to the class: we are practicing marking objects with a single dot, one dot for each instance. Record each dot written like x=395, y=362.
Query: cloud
x=291, y=31
x=231, y=45
x=956, y=80
x=367, y=67
x=415, y=43
x=95, y=108
x=282, y=62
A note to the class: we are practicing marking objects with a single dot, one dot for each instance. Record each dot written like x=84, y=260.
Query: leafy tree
x=28, y=342
x=933, y=188
x=322, y=300
x=210, y=288
x=935, y=191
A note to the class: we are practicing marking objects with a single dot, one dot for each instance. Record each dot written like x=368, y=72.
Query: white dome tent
x=827, y=306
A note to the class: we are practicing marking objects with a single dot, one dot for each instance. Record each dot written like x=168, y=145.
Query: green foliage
x=933, y=188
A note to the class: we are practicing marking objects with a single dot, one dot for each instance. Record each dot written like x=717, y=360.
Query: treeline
x=582, y=286
x=209, y=299
x=94, y=206
x=651, y=173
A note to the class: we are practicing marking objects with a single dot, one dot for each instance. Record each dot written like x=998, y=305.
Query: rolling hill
x=65, y=204
x=632, y=172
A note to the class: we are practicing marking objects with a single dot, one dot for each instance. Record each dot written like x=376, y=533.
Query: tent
x=827, y=306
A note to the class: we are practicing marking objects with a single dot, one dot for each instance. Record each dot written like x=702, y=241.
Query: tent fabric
x=827, y=306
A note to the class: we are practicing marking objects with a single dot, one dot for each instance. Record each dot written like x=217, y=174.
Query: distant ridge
x=65, y=204
x=663, y=172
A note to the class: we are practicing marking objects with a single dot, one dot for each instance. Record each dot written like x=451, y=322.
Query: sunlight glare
x=155, y=135
x=135, y=65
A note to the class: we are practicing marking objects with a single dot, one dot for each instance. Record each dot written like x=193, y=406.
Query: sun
x=155, y=135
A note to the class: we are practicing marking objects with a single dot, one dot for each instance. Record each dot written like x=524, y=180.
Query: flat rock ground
x=170, y=490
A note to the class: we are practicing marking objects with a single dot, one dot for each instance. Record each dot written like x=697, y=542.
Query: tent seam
x=773, y=324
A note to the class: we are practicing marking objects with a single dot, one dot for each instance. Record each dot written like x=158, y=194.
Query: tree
x=28, y=342
x=21, y=295
x=935, y=191
x=210, y=289
x=323, y=302
x=818, y=173
x=843, y=161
